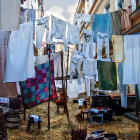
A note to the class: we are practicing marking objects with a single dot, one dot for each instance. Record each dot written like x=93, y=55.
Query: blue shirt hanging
x=102, y=23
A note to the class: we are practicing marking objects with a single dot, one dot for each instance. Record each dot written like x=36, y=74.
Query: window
x=107, y=7
x=119, y=4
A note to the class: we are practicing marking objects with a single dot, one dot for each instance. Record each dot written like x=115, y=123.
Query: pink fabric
x=125, y=18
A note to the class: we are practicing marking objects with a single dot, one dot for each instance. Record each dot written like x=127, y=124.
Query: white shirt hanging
x=81, y=18
x=73, y=36
x=58, y=30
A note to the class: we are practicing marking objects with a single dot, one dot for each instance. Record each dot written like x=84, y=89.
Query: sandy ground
x=61, y=130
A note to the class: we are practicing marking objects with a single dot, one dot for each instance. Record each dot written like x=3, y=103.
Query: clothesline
x=75, y=13
x=57, y=12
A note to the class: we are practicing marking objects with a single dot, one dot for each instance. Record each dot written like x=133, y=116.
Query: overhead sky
x=59, y=7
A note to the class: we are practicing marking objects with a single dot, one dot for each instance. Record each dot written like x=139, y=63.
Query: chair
x=60, y=102
x=88, y=101
x=83, y=114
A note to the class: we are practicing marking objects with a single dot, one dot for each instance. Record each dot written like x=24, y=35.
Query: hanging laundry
x=41, y=59
x=88, y=72
x=87, y=81
x=73, y=36
x=75, y=88
x=58, y=31
x=94, y=50
x=79, y=19
x=133, y=2
x=102, y=23
x=57, y=65
x=36, y=90
x=30, y=4
x=20, y=56
x=107, y=75
x=18, y=88
x=9, y=15
x=103, y=43
x=118, y=48
x=87, y=50
x=6, y=89
x=23, y=16
x=131, y=71
x=56, y=57
x=43, y=24
x=32, y=18
x=116, y=22
x=75, y=66
x=122, y=87
x=89, y=68
x=125, y=19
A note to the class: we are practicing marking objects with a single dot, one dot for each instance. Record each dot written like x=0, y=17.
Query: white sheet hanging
x=75, y=88
x=20, y=55
x=131, y=70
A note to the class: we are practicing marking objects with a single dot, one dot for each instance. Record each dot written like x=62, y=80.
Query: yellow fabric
x=118, y=48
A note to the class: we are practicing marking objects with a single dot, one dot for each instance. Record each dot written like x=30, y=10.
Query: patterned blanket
x=36, y=90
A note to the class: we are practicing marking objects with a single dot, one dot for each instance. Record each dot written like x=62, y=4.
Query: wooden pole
x=64, y=91
x=67, y=69
x=49, y=92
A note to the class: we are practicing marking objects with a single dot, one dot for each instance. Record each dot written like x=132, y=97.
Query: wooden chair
x=60, y=103
x=85, y=112
x=88, y=101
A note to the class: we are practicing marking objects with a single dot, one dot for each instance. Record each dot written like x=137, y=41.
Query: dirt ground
x=124, y=128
